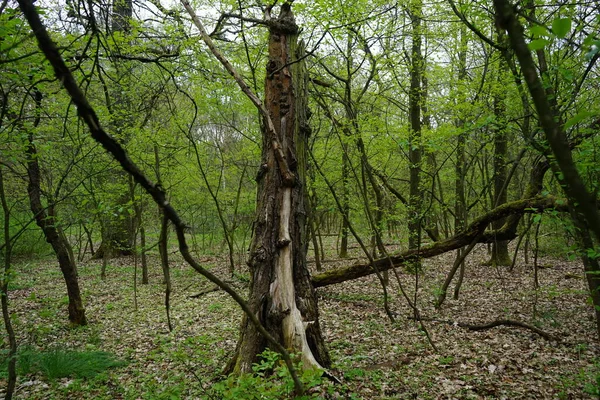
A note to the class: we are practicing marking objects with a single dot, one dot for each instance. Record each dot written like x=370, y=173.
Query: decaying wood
x=282, y=162
x=476, y=228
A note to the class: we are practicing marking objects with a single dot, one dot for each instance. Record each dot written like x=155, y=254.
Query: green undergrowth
x=270, y=380
x=60, y=363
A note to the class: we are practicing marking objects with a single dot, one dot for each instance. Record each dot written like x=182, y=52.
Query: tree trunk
x=144, y=257
x=590, y=264
x=117, y=233
x=6, y=314
x=122, y=13
x=118, y=230
x=460, y=205
x=281, y=294
x=500, y=254
x=47, y=222
x=414, y=140
x=343, y=253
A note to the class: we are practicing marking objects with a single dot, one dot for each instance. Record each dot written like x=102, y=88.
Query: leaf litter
x=375, y=358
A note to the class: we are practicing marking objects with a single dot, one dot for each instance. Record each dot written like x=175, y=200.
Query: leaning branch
x=475, y=229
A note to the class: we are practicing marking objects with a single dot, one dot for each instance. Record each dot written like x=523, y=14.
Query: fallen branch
x=493, y=324
x=205, y=291
x=471, y=232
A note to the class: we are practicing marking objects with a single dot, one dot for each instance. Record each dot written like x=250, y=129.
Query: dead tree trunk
x=281, y=293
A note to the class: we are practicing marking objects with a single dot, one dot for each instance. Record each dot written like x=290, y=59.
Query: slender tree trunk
x=460, y=205
x=500, y=254
x=164, y=232
x=430, y=218
x=6, y=315
x=164, y=261
x=590, y=264
x=281, y=293
x=414, y=141
x=47, y=222
x=144, y=257
x=343, y=253
x=312, y=226
x=88, y=235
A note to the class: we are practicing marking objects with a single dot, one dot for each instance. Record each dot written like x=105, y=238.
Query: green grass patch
x=60, y=363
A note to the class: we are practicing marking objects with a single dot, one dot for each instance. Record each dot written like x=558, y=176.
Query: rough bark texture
x=281, y=293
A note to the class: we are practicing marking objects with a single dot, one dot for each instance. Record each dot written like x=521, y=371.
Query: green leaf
x=538, y=31
x=578, y=118
x=561, y=26
x=537, y=44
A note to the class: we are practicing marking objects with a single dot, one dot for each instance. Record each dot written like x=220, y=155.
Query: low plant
x=270, y=380
x=60, y=363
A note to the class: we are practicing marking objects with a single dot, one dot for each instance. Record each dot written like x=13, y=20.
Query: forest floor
x=373, y=357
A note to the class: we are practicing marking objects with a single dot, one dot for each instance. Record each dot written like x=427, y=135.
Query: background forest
x=445, y=168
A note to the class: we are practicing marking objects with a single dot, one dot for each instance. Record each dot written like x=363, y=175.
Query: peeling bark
x=280, y=291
